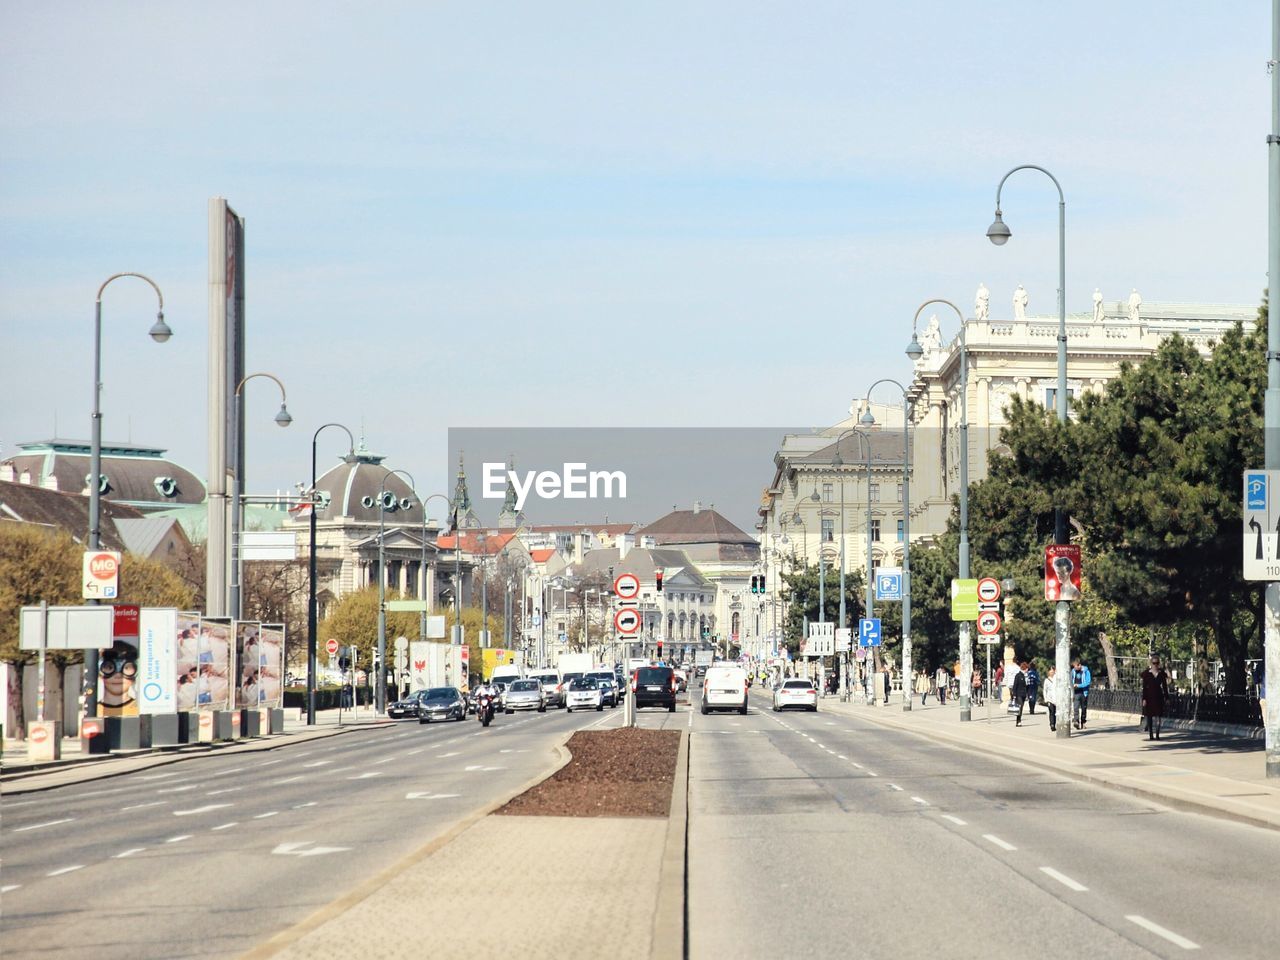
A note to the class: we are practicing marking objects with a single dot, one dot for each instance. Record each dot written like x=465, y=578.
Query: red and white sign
x=627, y=621
x=90, y=727
x=125, y=621
x=101, y=580
x=331, y=646
x=1062, y=572
x=39, y=734
x=988, y=623
x=627, y=586
x=988, y=590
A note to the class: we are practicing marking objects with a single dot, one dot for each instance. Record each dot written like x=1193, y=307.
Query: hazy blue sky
x=556, y=214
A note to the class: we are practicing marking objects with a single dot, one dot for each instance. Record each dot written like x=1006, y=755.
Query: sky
x=694, y=214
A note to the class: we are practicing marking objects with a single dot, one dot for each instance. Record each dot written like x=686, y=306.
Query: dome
x=351, y=490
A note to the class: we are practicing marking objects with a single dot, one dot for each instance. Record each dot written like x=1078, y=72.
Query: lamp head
x=998, y=233
x=160, y=331
x=814, y=496
x=867, y=419
x=837, y=461
x=914, y=350
x=282, y=418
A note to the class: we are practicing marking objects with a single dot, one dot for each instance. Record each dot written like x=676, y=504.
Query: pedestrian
x=999, y=691
x=940, y=680
x=1155, y=693
x=1081, y=681
x=921, y=685
x=1049, y=693
x=1020, y=691
x=1260, y=688
x=1033, y=684
x=887, y=683
x=976, y=693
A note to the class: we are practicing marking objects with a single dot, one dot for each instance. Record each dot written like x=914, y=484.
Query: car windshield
x=444, y=694
x=584, y=683
x=525, y=685
x=547, y=678
x=653, y=675
x=602, y=677
x=798, y=685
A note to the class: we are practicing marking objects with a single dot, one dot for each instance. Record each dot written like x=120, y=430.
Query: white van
x=505, y=674
x=724, y=688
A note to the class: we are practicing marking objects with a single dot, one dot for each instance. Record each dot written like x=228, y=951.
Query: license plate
x=658, y=689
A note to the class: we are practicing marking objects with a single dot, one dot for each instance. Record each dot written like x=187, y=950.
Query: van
x=724, y=688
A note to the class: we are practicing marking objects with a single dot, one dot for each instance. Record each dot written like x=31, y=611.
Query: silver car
x=524, y=694
x=552, y=688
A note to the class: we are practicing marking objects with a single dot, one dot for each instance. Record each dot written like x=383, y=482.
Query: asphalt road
x=211, y=856
x=824, y=836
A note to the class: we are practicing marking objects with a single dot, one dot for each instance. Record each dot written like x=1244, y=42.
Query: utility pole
x=1271, y=424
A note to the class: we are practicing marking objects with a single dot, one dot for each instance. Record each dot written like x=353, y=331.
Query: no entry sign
x=332, y=646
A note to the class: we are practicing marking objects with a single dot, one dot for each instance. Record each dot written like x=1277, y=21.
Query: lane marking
x=268, y=763
x=47, y=823
x=189, y=786
x=162, y=776
x=226, y=826
x=214, y=793
x=1146, y=924
x=309, y=803
x=452, y=753
x=57, y=873
x=895, y=787
x=921, y=800
x=223, y=773
x=1002, y=844
x=139, y=806
x=387, y=760
x=318, y=763
x=12, y=886
x=870, y=774
x=263, y=816
x=842, y=756
x=1063, y=879
x=366, y=776
x=128, y=853
x=205, y=809
x=431, y=796
x=179, y=838
x=413, y=752
x=956, y=820
x=297, y=778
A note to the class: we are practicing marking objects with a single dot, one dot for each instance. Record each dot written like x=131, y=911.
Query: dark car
x=403, y=708
x=654, y=687
x=441, y=703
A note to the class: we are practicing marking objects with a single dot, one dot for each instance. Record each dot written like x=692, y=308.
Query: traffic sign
x=332, y=646
x=101, y=580
x=988, y=622
x=964, y=599
x=888, y=583
x=627, y=586
x=988, y=590
x=627, y=620
x=821, y=641
x=1261, y=525
x=869, y=632
x=988, y=639
x=844, y=639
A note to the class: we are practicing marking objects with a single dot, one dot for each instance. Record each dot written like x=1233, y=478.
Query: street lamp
x=837, y=461
x=867, y=420
x=312, y=613
x=282, y=419
x=422, y=617
x=160, y=333
x=380, y=688
x=914, y=352
x=482, y=541
x=999, y=234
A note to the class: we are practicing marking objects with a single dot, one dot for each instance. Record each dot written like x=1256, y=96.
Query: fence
x=326, y=697
x=1213, y=707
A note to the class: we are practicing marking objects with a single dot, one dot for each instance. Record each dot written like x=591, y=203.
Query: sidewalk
x=1201, y=772
x=19, y=774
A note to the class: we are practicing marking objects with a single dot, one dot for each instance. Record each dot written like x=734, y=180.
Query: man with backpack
x=1081, y=681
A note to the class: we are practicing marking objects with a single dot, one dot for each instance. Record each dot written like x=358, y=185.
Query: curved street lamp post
x=380, y=674
x=311, y=573
x=837, y=461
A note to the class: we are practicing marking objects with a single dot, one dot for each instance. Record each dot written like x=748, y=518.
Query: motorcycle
x=485, y=708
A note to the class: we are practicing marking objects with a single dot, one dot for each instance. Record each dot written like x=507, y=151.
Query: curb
x=1185, y=804
x=330, y=911
x=669, y=941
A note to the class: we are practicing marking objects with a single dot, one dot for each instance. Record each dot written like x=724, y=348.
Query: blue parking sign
x=1255, y=491
x=888, y=581
x=869, y=632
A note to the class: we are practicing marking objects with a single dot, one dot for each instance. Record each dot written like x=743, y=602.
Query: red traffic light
x=657, y=579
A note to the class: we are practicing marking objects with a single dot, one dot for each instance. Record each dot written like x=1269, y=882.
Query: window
x=1051, y=397
x=899, y=531
x=826, y=493
x=875, y=530
x=875, y=493
x=828, y=530
x=899, y=493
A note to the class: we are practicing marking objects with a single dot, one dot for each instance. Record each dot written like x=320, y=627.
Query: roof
x=695, y=526
x=643, y=562
x=137, y=475
x=542, y=555
x=886, y=448
x=25, y=503
x=471, y=541
x=144, y=536
x=352, y=488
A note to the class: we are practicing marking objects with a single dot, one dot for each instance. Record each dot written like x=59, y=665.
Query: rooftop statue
x=1020, y=301
x=1097, y=305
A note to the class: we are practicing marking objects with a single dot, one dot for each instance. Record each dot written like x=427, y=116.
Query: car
x=608, y=686
x=795, y=692
x=724, y=688
x=524, y=694
x=441, y=703
x=407, y=707
x=654, y=687
x=584, y=694
x=682, y=681
x=552, y=687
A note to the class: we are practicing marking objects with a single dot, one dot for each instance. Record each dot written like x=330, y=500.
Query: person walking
x=998, y=693
x=1155, y=693
x=941, y=679
x=1033, y=684
x=1081, y=681
x=1020, y=691
x=976, y=692
x=1049, y=694
x=922, y=685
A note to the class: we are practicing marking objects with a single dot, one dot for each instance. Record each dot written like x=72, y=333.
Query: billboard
x=187, y=628
x=214, y=652
x=248, y=663
x=271, y=661
x=157, y=666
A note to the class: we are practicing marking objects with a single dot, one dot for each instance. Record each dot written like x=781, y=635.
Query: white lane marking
x=12, y=886
x=226, y=826
x=842, y=756
x=128, y=853
x=894, y=786
x=162, y=776
x=452, y=753
x=870, y=774
x=1155, y=928
x=831, y=723
x=386, y=760
x=295, y=849
x=214, y=793
x=309, y=803
x=223, y=773
x=47, y=823
x=267, y=763
x=318, y=763
x=365, y=776
x=179, y=838
x=59, y=872
x=411, y=753
x=139, y=806
x=300, y=776
x=1063, y=879
x=921, y=800
x=189, y=786
x=263, y=816
x=856, y=764
x=205, y=809
x=1002, y=844
x=340, y=770
x=956, y=820
x=431, y=796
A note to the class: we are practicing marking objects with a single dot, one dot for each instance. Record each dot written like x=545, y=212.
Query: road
x=211, y=856
x=822, y=834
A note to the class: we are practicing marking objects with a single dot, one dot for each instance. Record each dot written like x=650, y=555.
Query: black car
x=654, y=687
x=403, y=708
x=441, y=703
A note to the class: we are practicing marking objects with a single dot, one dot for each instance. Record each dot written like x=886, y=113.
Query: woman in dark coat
x=1155, y=692
x=1020, y=691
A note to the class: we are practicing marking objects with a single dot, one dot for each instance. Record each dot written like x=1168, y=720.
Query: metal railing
x=1212, y=707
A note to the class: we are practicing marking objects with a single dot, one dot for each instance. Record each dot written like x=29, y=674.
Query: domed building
x=137, y=476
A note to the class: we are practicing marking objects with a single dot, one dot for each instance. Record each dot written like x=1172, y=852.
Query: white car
x=795, y=692
x=724, y=688
x=552, y=688
x=584, y=694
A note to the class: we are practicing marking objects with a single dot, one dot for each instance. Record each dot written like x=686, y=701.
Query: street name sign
x=888, y=583
x=1261, y=525
x=964, y=599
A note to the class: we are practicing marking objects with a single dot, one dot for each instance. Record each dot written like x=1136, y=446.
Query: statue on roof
x=1135, y=306
x=930, y=342
x=1020, y=301
x=1097, y=305
x=982, y=303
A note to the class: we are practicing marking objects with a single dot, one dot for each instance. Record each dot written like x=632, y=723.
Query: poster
x=248, y=663
x=1062, y=572
x=187, y=627
x=271, y=661
x=157, y=666
x=213, y=652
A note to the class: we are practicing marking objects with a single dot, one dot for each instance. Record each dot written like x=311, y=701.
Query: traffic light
x=756, y=585
x=657, y=579
x=659, y=649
